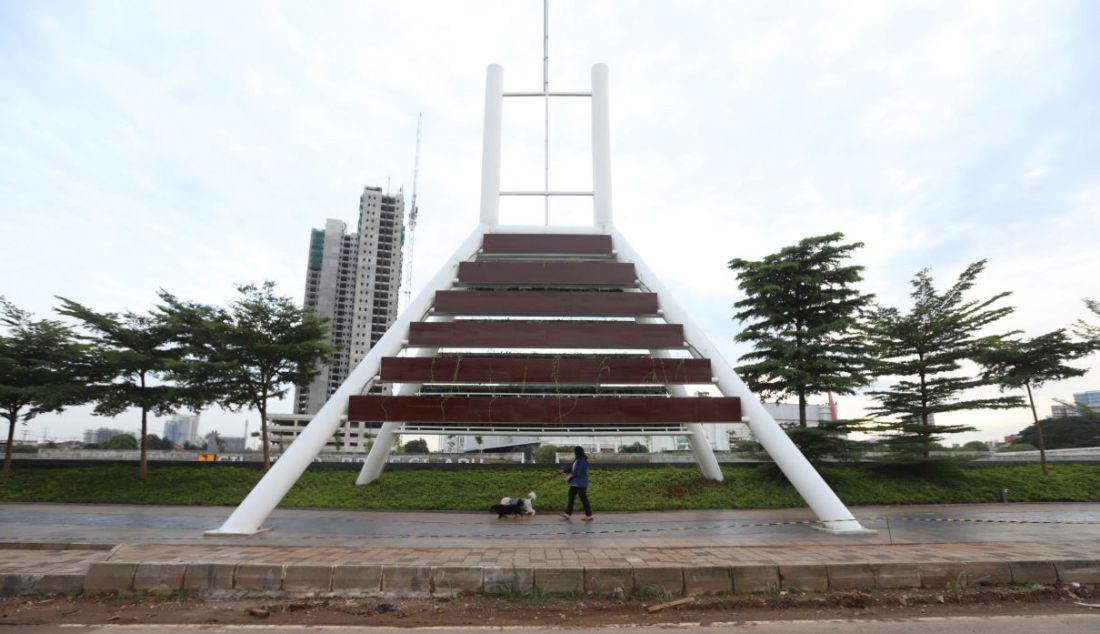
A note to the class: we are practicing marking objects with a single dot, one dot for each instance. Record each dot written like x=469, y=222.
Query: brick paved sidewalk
x=154, y=568
x=70, y=549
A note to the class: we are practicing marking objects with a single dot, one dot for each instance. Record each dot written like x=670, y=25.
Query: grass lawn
x=657, y=488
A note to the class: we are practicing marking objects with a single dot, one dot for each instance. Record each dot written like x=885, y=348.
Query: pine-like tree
x=802, y=313
x=924, y=350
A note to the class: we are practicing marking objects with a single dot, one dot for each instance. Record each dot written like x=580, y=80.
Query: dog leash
x=543, y=483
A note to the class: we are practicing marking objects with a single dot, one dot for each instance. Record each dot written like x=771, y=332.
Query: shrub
x=545, y=454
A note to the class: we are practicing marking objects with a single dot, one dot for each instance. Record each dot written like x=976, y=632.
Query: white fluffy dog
x=515, y=506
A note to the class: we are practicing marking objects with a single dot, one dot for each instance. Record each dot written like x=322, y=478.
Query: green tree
x=134, y=359
x=1028, y=363
x=802, y=313
x=1065, y=433
x=975, y=445
x=156, y=443
x=545, y=453
x=42, y=369
x=252, y=351
x=122, y=441
x=635, y=447
x=417, y=445
x=1017, y=446
x=924, y=350
x=1086, y=330
x=829, y=440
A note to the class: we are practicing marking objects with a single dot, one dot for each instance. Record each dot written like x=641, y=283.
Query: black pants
x=573, y=493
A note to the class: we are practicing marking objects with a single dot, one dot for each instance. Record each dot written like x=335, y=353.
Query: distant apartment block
x=101, y=435
x=353, y=279
x=182, y=428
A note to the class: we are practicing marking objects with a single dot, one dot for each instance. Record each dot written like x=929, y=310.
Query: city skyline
x=150, y=147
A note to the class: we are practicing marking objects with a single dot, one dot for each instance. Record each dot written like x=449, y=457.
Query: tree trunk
x=7, y=447
x=1038, y=430
x=801, y=407
x=144, y=471
x=926, y=432
x=927, y=438
x=263, y=432
x=144, y=445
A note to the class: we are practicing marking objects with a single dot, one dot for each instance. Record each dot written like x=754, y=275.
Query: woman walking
x=578, y=484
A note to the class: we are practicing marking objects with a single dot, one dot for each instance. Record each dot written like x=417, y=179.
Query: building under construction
x=354, y=279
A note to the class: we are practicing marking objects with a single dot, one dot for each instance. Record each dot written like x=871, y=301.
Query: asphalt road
x=1047, y=624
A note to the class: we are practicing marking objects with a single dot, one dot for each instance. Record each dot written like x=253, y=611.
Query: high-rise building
x=1087, y=400
x=354, y=279
x=182, y=428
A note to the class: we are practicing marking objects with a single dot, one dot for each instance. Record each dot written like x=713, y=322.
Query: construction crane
x=412, y=219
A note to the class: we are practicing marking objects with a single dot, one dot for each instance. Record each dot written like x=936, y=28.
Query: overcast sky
x=189, y=145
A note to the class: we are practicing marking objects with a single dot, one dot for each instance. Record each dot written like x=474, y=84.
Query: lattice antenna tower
x=413, y=211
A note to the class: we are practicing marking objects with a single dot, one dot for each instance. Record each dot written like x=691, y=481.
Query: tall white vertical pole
x=546, y=111
x=601, y=148
x=490, y=149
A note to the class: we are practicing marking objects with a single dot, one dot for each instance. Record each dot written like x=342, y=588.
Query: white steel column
x=806, y=480
x=380, y=451
x=270, y=490
x=704, y=453
x=490, y=148
x=601, y=147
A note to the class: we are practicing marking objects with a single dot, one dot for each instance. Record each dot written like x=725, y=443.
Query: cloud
x=191, y=146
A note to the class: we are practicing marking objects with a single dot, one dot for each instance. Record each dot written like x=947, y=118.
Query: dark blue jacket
x=579, y=471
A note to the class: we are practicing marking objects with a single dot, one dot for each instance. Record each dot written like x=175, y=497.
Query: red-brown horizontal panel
x=547, y=273
x=549, y=410
x=563, y=303
x=530, y=243
x=566, y=369
x=545, y=334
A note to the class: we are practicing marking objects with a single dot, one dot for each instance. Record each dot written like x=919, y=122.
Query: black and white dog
x=514, y=506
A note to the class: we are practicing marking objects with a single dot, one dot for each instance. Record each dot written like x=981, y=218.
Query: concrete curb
x=203, y=578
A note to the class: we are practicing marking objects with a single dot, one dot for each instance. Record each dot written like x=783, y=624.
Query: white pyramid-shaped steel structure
x=542, y=330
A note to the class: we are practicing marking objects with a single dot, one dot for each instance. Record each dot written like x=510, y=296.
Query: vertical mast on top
x=490, y=156
x=546, y=109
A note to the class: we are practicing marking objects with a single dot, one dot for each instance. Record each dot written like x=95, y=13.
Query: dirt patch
x=481, y=610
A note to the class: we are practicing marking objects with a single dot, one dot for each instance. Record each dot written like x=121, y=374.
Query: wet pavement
x=973, y=523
